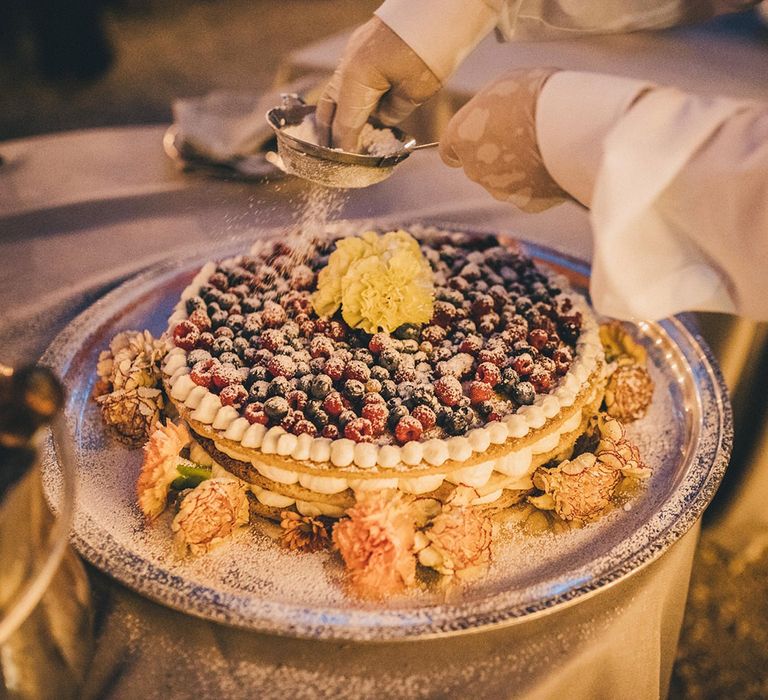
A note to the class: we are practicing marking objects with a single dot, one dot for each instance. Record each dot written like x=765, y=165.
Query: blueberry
x=312, y=408
x=322, y=385
x=395, y=414
x=524, y=393
x=256, y=374
x=408, y=331
x=388, y=389
x=231, y=357
x=304, y=381
x=353, y=389
x=196, y=356
x=320, y=419
x=389, y=359
x=222, y=345
x=362, y=355
x=196, y=303
x=317, y=365
x=250, y=304
x=241, y=345
x=379, y=373
x=423, y=394
x=276, y=408
x=218, y=318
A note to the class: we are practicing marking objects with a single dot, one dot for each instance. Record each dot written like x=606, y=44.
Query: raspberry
x=185, y=335
x=444, y=314
x=357, y=370
x=307, y=329
x=233, y=395
x=359, y=430
x=488, y=323
x=200, y=319
x=334, y=367
x=482, y=305
x=448, y=390
x=330, y=431
x=273, y=315
x=425, y=415
x=225, y=374
x=479, y=392
x=272, y=339
x=405, y=374
x=302, y=277
x=321, y=346
x=304, y=427
x=297, y=400
x=337, y=332
x=374, y=398
x=282, y=366
x=538, y=338
x=408, y=428
x=563, y=359
x=288, y=423
x=495, y=355
x=377, y=414
x=224, y=332
x=433, y=334
x=202, y=372
x=541, y=380
x=378, y=342
x=332, y=404
x=514, y=333
x=489, y=373
x=523, y=364
x=472, y=344
x=254, y=413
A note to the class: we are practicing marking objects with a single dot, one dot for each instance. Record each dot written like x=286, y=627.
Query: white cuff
x=441, y=32
x=574, y=113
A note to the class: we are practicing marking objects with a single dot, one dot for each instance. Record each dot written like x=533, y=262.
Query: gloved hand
x=379, y=75
x=493, y=137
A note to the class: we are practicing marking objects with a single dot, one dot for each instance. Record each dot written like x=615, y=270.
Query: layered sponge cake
x=414, y=360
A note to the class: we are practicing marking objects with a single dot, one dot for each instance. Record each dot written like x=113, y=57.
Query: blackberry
x=321, y=385
x=354, y=389
x=222, y=345
x=524, y=393
x=423, y=394
x=218, y=318
x=312, y=408
x=320, y=419
x=256, y=374
x=259, y=391
x=232, y=358
x=196, y=356
x=408, y=331
x=279, y=386
x=235, y=322
x=388, y=389
x=389, y=359
x=455, y=423
x=509, y=378
x=227, y=301
x=345, y=417
x=317, y=365
x=363, y=355
x=196, y=303
x=304, y=381
x=250, y=304
x=485, y=408
x=241, y=345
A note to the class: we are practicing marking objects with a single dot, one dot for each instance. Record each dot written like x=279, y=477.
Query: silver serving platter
x=253, y=583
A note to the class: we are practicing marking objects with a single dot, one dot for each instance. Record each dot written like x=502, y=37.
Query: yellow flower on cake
x=158, y=470
x=380, y=282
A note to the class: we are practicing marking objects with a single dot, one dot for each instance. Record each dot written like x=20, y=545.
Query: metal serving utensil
x=328, y=166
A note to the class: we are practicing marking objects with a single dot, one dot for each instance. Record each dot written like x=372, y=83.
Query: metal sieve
x=328, y=166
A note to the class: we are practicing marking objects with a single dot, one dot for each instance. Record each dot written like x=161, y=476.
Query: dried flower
x=620, y=346
x=128, y=390
x=458, y=542
x=381, y=282
x=303, y=532
x=158, y=470
x=209, y=514
x=628, y=393
x=376, y=543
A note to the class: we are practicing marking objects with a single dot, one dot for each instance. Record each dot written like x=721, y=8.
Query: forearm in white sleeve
x=677, y=188
x=441, y=32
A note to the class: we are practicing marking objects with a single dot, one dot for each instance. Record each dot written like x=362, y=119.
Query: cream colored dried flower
x=304, y=533
x=158, y=470
x=132, y=413
x=581, y=488
x=628, y=393
x=129, y=387
x=457, y=542
x=620, y=346
x=208, y=515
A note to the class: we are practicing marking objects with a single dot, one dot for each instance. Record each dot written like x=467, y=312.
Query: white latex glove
x=379, y=75
x=493, y=137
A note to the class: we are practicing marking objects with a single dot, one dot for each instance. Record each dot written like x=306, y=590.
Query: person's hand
x=379, y=75
x=493, y=137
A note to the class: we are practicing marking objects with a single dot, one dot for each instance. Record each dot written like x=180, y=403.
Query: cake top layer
x=500, y=334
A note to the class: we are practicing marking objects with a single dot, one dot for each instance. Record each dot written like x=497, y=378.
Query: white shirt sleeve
x=677, y=188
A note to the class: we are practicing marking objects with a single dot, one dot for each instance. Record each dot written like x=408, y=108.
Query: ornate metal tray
x=254, y=583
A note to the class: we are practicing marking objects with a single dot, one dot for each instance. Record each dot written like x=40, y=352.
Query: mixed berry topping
x=500, y=334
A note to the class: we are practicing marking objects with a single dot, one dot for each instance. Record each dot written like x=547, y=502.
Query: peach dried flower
x=459, y=542
x=208, y=515
x=376, y=543
x=303, y=532
x=158, y=470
